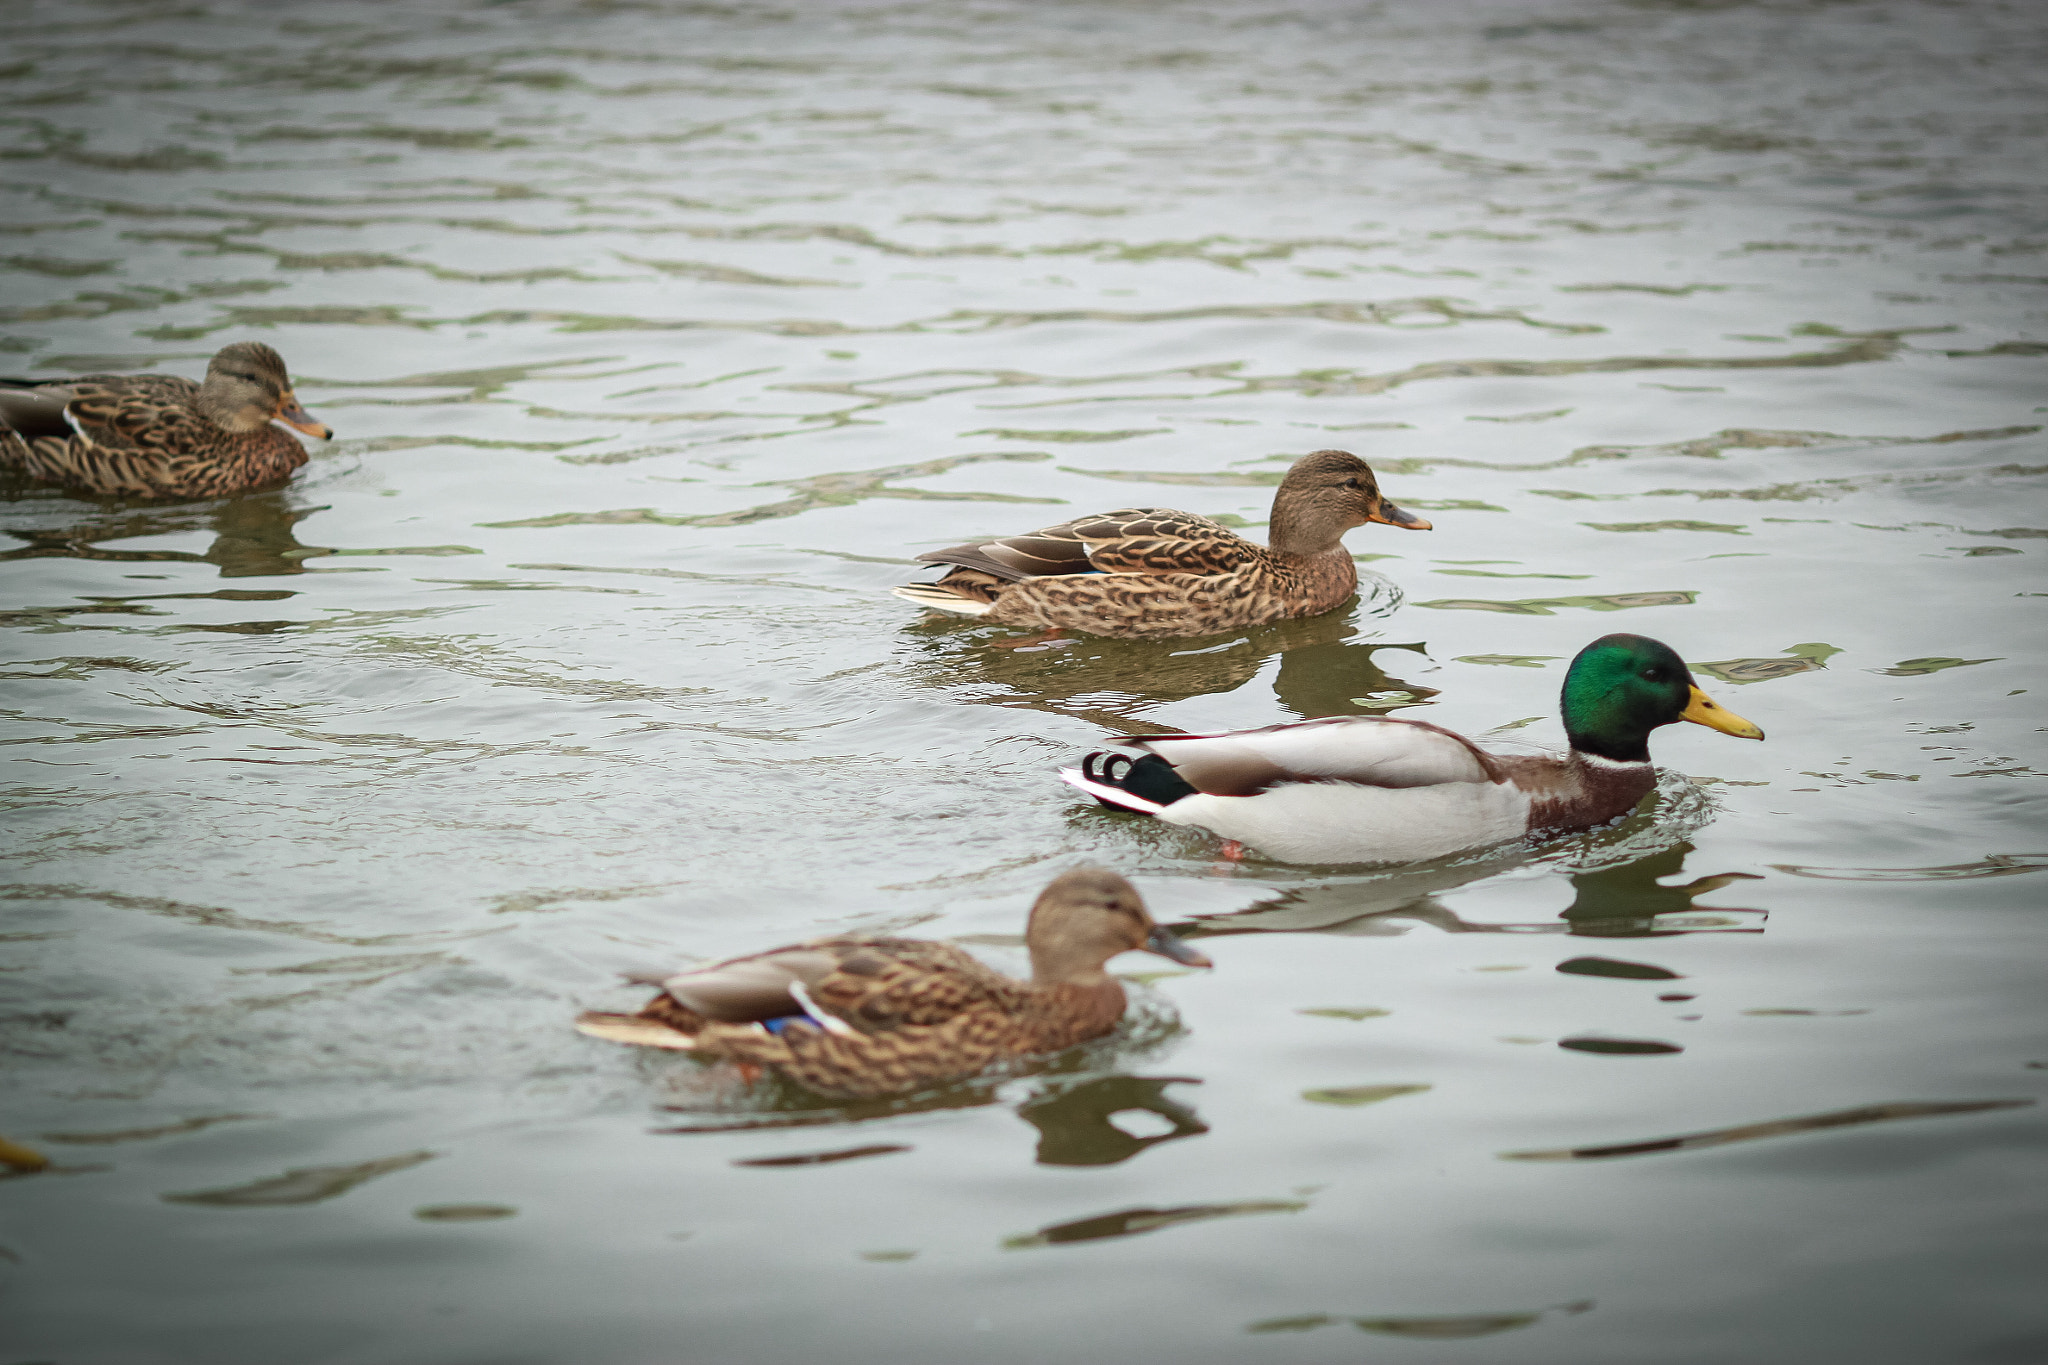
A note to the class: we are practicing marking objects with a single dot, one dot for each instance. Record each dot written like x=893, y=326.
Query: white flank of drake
x=1331, y=822
x=1382, y=751
x=1116, y=796
x=938, y=599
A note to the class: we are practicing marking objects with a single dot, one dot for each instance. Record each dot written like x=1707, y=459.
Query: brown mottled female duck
x=1153, y=573
x=856, y=1017
x=1381, y=789
x=158, y=435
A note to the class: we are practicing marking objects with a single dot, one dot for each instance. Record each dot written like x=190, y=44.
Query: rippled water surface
x=660, y=337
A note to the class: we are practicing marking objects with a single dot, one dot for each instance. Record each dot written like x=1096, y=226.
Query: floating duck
x=1154, y=573
x=159, y=435
x=860, y=1016
x=1382, y=789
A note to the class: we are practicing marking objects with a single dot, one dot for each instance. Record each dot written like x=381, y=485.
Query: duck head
x=247, y=387
x=1085, y=918
x=1326, y=494
x=1621, y=687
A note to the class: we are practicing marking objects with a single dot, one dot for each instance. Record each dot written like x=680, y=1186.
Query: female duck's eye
x=1351, y=483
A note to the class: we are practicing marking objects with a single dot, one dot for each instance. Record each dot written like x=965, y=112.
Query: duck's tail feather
x=939, y=599
x=631, y=1028
x=1107, y=795
x=1146, y=784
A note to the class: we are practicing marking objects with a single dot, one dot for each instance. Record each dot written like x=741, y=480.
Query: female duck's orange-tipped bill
x=1162, y=941
x=1386, y=514
x=1704, y=710
x=631, y=1028
x=16, y=1157
x=294, y=415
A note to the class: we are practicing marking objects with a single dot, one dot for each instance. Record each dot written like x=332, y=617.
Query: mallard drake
x=159, y=435
x=860, y=1016
x=1383, y=789
x=1154, y=573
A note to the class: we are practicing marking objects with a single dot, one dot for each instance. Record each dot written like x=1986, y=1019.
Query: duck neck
x=1074, y=1012
x=229, y=406
x=1611, y=748
x=1050, y=968
x=1613, y=786
x=1302, y=533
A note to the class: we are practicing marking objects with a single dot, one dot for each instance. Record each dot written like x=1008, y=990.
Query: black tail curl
x=1148, y=776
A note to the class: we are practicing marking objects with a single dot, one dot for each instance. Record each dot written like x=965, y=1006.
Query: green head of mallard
x=1621, y=687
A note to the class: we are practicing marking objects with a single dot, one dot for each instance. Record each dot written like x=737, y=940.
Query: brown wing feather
x=874, y=984
x=886, y=984
x=34, y=415
x=141, y=421
x=749, y=988
x=666, y=1009
x=1166, y=542
x=169, y=388
x=1042, y=553
x=1148, y=540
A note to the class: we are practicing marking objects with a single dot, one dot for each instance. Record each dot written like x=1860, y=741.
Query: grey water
x=659, y=338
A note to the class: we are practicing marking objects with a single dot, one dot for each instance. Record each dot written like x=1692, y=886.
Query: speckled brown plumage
x=929, y=1014
x=158, y=436
x=1156, y=573
x=894, y=1014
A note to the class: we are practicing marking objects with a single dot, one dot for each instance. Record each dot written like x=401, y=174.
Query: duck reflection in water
x=1326, y=668
x=1628, y=900
x=1631, y=901
x=254, y=535
x=1077, y=1123
x=1076, y=1114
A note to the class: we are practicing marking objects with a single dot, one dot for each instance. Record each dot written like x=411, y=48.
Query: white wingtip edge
x=938, y=599
x=631, y=1028
x=817, y=1015
x=1116, y=796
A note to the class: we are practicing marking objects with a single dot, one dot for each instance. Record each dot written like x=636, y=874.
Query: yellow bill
x=1704, y=710
x=19, y=1158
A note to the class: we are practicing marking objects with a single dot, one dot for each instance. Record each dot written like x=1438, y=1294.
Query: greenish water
x=659, y=338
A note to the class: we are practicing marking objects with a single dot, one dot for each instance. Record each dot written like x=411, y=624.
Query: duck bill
x=1704, y=710
x=298, y=419
x=1386, y=514
x=1162, y=942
